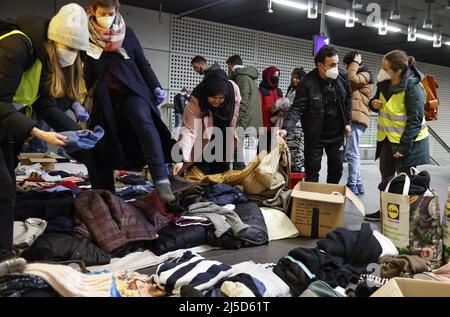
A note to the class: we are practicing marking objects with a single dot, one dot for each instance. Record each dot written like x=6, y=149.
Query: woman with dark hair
x=279, y=111
x=402, y=130
x=295, y=140
x=127, y=93
x=39, y=61
x=210, y=118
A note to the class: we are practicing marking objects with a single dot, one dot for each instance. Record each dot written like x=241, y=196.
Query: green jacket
x=416, y=153
x=250, y=112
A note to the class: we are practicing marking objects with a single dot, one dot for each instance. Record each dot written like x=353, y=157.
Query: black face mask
x=274, y=80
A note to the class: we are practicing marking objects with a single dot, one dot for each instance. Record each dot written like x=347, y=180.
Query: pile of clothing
x=34, y=178
x=264, y=180
x=339, y=260
x=96, y=225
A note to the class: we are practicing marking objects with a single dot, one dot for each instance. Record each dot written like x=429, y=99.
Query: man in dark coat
x=200, y=65
x=323, y=103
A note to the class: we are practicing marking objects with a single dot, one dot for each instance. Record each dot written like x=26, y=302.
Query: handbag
x=412, y=222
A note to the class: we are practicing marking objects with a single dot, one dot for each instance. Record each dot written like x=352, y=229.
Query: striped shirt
x=190, y=269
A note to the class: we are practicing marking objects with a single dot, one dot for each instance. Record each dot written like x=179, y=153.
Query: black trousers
x=139, y=114
x=7, y=194
x=313, y=161
x=389, y=165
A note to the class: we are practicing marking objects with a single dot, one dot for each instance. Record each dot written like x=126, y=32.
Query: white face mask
x=105, y=22
x=66, y=57
x=332, y=73
x=383, y=76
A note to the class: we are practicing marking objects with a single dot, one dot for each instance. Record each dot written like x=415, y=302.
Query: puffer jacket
x=111, y=222
x=362, y=89
x=309, y=107
x=250, y=112
x=66, y=247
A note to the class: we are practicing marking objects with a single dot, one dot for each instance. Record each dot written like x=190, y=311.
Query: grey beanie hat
x=70, y=27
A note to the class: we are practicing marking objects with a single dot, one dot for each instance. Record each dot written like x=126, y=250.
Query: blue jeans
x=353, y=156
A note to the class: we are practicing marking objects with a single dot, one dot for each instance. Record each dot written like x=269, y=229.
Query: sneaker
x=376, y=216
x=354, y=189
x=361, y=189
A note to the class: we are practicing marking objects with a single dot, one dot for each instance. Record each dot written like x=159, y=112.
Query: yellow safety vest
x=28, y=91
x=392, y=119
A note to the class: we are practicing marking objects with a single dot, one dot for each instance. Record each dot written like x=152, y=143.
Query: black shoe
x=376, y=216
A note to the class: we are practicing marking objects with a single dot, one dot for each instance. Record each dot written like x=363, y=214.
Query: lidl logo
x=393, y=211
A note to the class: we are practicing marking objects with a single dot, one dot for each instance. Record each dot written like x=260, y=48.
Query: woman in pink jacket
x=207, y=138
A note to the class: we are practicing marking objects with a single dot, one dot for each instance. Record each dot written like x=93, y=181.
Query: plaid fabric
x=110, y=221
x=109, y=39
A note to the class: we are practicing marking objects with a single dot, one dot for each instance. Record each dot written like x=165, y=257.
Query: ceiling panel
x=286, y=21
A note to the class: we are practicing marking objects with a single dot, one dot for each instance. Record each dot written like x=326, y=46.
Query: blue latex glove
x=80, y=113
x=160, y=94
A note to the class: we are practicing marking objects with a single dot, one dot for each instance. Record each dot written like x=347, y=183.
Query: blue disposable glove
x=160, y=94
x=81, y=114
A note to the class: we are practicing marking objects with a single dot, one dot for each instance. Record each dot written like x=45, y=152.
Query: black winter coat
x=65, y=247
x=120, y=147
x=16, y=56
x=309, y=106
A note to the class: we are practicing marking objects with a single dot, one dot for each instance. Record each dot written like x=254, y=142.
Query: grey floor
x=271, y=253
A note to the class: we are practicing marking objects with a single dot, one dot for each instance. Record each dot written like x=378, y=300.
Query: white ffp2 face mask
x=332, y=73
x=105, y=22
x=383, y=76
x=66, y=57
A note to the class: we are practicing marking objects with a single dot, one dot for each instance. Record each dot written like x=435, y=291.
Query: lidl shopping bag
x=413, y=223
x=446, y=227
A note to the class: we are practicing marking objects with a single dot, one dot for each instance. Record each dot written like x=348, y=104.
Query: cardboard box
x=47, y=160
x=318, y=209
x=406, y=287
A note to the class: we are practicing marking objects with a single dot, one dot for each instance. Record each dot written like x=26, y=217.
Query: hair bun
x=411, y=60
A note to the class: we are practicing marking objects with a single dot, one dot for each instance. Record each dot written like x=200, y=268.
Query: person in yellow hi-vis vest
x=39, y=61
x=402, y=137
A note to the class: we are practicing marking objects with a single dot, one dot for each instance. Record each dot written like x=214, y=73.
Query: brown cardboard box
x=318, y=209
x=47, y=160
x=406, y=287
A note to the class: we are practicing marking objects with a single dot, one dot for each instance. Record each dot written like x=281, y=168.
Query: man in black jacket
x=324, y=105
x=200, y=65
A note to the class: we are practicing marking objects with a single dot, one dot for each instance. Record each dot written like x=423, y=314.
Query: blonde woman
x=39, y=61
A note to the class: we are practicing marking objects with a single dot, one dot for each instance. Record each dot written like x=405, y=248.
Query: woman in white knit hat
x=39, y=61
